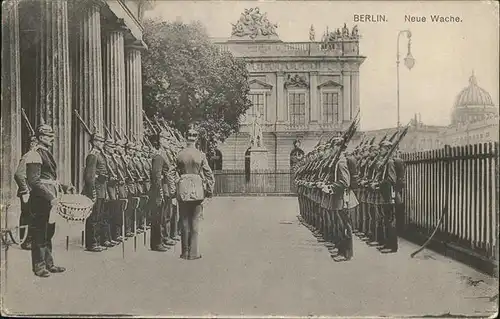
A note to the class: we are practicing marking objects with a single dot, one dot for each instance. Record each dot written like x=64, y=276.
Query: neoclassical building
x=62, y=55
x=474, y=119
x=299, y=90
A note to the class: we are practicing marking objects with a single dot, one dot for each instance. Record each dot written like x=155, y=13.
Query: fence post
x=448, y=176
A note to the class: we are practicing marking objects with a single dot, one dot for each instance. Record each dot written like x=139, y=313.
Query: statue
x=296, y=80
x=296, y=154
x=354, y=33
x=252, y=23
x=257, y=138
x=345, y=32
x=338, y=35
x=312, y=34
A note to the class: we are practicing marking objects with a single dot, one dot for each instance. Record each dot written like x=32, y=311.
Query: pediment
x=259, y=85
x=329, y=83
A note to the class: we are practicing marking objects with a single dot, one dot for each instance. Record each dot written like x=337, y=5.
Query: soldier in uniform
x=146, y=164
x=24, y=194
x=399, y=165
x=370, y=207
x=386, y=186
x=41, y=174
x=337, y=188
x=159, y=169
x=122, y=188
x=144, y=179
x=134, y=190
x=111, y=213
x=192, y=166
x=95, y=187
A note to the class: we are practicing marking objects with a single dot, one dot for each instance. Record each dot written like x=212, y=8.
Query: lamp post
x=409, y=62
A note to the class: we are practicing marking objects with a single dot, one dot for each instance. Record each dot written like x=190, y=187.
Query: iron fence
x=257, y=182
x=465, y=180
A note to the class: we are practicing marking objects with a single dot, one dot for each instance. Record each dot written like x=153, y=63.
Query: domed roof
x=473, y=95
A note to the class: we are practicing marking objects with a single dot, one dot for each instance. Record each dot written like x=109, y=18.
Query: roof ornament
x=253, y=24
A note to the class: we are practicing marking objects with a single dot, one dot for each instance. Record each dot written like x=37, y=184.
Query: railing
x=249, y=49
x=257, y=182
x=465, y=178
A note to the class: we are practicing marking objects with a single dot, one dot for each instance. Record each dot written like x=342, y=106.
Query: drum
x=75, y=207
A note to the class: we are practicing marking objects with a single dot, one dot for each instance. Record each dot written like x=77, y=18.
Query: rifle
x=390, y=152
x=134, y=166
x=83, y=123
x=123, y=157
x=28, y=124
x=347, y=136
x=149, y=122
x=114, y=159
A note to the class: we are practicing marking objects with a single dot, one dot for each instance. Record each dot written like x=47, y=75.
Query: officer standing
x=159, y=168
x=41, y=174
x=95, y=187
x=24, y=194
x=196, y=182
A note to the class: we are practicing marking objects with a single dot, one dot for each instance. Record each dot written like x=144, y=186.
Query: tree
x=189, y=81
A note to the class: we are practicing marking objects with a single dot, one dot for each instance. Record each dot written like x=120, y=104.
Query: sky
x=445, y=53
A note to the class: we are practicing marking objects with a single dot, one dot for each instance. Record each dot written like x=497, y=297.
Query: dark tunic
x=95, y=176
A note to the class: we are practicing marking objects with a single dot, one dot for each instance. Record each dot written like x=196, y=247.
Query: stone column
x=346, y=96
x=133, y=90
x=54, y=90
x=87, y=81
x=354, y=92
x=114, y=77
x=314, y=105
x=280, y=97
x=10, y=128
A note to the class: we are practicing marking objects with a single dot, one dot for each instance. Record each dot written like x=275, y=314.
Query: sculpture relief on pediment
x=326, y=78
x=296, y=80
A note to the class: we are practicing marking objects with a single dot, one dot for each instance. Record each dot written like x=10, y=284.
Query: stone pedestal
x=258, y=158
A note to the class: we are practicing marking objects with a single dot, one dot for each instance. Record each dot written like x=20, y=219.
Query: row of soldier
x=341, y=193
x=132, y=186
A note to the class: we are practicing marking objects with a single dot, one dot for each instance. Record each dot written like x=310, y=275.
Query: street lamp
x=409, y=61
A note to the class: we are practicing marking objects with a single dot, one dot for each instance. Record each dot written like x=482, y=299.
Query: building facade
x=474, y=120
x=299, y=90
x=59, y=56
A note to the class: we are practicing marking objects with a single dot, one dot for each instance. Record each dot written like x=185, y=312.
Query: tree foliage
x=189, y=81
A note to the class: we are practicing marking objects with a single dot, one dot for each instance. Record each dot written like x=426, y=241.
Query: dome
x=473, y=95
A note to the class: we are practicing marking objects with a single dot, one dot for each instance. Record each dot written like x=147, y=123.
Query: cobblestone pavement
x=257, y=260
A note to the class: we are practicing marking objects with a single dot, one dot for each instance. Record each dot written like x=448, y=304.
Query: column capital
x=136, y=45
x=114, y=25
x=280, y=73
x=313, y=72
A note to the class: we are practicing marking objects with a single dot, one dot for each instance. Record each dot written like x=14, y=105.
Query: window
x=330, y=102
x=297, y=107
x=258, y=104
